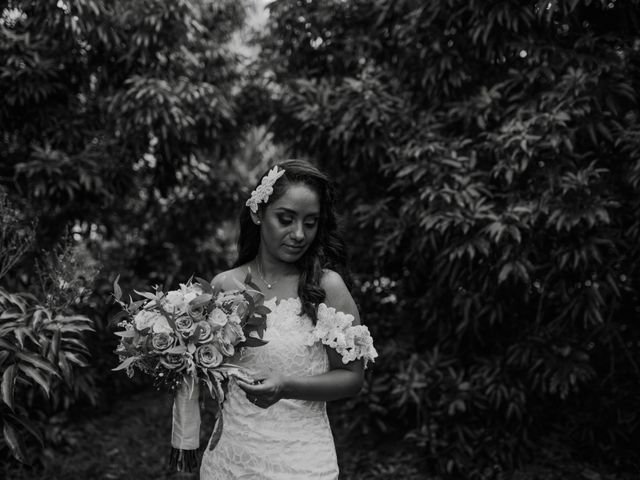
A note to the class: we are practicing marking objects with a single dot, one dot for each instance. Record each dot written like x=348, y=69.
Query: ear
x=255, y=217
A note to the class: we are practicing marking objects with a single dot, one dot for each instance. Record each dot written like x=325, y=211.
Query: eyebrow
x=293, y=212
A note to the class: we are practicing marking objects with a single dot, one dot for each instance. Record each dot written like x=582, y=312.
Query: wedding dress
x=291, y=439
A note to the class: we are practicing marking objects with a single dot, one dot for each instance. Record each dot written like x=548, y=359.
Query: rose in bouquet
x=186, y=337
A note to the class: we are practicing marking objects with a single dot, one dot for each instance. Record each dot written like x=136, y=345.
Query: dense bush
x=118, y=125
x=489, y=157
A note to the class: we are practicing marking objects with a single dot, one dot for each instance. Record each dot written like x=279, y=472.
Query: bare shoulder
x=338, y=295
x=227, y=280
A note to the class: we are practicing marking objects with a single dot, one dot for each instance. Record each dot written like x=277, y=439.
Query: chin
x=291, y=257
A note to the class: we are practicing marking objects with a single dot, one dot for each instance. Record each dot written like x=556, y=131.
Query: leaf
x=36, y=376
x=201, y=300
x=178, y=350
x=8, y=345
x=262, y=310
x=55, y=345
x=147, y=295
x=206, y=286
x=196, y=334
x=125, y=364
x=38, y=362
x=217, y=428
x=117, y=291
x=253, y=342
x=15, y=442
x=31, y=427
x=125, y=333
x=241, y=286
x=8, y=384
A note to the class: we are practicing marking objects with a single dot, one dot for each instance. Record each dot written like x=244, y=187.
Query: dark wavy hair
x=327, y=249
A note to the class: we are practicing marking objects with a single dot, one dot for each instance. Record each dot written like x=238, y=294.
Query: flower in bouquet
x=161, y=341
x=208, y=356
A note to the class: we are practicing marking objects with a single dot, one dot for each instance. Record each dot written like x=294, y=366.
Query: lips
x=295, y=248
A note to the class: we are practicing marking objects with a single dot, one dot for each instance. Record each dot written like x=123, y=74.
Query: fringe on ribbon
x=183, y=460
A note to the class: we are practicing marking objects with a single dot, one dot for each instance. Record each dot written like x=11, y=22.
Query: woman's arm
x=343, y=380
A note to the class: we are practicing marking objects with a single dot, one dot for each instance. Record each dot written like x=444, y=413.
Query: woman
x=277, y=427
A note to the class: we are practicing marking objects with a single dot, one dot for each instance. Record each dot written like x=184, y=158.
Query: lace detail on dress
x=291, y=439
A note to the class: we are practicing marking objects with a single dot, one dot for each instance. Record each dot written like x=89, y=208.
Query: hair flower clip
x=265, y=189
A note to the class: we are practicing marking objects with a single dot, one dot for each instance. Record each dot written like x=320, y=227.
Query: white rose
x=218, y=318
x=161, y=326
x=189, y=296
x=175, y=299
x=145, y=319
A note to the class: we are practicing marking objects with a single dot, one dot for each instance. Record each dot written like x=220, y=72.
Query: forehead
x=299, y=198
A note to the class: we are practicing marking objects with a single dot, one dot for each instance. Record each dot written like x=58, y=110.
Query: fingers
x=251, y=389
x=259, y=401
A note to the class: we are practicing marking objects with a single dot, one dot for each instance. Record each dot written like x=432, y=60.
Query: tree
x=489, y=158
x=118, y=123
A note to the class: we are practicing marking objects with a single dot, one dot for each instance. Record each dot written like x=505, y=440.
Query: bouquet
x=184, y=337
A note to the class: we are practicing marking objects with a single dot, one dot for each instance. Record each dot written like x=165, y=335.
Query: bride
x=277, y=427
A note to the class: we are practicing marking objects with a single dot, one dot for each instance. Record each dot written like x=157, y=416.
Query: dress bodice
x=292, y=438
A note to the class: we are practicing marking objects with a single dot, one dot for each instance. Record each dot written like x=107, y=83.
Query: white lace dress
x=292, y=438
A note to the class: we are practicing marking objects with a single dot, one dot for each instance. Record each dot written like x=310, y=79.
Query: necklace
x=269, y=285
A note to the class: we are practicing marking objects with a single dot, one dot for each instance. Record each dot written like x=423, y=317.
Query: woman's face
x=290, y=223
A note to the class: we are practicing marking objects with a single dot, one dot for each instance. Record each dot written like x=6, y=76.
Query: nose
x=297, y=233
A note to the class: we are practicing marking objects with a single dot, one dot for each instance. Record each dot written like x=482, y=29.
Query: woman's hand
x=265, y=391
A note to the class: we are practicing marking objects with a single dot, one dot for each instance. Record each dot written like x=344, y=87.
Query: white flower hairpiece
x=265, y=189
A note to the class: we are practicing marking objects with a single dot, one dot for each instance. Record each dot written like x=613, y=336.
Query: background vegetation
x=488, y=155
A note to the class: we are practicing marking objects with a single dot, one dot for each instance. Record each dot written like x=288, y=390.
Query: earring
x=258, y=222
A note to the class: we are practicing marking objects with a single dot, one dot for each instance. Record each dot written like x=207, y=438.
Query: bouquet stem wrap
x=185, y=430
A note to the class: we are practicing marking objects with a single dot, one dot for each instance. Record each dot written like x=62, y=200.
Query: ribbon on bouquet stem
x=185, y=428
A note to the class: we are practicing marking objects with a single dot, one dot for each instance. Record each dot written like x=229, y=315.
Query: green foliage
x=118, y=124
x=489, y=154
x=37, y=351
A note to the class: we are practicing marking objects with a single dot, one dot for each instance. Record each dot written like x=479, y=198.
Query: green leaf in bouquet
x=249, y=283
x=262, y=310
x=147, y=295
x=201, y=300
x=255, y=321
x=125, y=333
x=125, y=364
x=177, y=350
x=217, y=428
x=135, y=306
x=144, y=332
x=206, y=286
x=250, y=301
x=117, y=291
x=252, y=342
x=241, y=286
x=195, y=335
